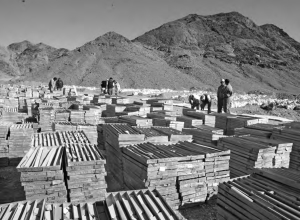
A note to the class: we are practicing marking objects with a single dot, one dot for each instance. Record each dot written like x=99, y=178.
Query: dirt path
x=10, y=185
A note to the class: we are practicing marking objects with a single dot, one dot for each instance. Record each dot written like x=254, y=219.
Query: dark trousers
x=110, y=91
x=227, y=105
x=195, y=104
x=220, y=105
x=203, y=104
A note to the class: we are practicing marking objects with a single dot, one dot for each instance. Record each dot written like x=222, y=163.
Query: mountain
x=229, y=45
x=131, y=64
x=194, y=51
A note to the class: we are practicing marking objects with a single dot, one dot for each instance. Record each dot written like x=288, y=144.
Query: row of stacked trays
x=85, y=170
x=183, y=173
x=42, y=174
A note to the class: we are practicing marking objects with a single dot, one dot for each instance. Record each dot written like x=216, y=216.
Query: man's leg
x=225, y=105
x=202, y=105
x=209, y=107
x=220, y=105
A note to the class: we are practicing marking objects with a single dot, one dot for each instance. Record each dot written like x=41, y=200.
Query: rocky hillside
x=194, y=51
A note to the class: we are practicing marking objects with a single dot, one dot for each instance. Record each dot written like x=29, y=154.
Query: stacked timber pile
x=141, y=204
x=64, y=126
x=46, y=118
x=72, y=211
x=117, y=136
x=221, y=120
x=161, y=104
x=152, y=135
x=77, y=116
x=4, y=149
x=189, y=122
x=154, y=115
x=136, y=121
x=23, y=210
x=257, y=130
x=19, y=141
x=100, y=136
x=92, y=115
x=269, y=194
x=240, y=122
x=10, y=114
x=85, y=173
x=138, y=109
x=90, y=132
x=42, y=174
x=120, y=100
x=62, y=115
x=174, y=135
x=248, y=153
x=195, y=169
x=177, y=125
x=208, y=119
x=204, y=133
x=59, y=138
x=290, y=135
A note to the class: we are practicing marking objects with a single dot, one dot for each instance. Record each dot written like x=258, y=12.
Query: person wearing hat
x=205, y=100
x=194, y=100
x=220, y=95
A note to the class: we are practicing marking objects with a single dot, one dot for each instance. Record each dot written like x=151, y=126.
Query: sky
x=72, y=23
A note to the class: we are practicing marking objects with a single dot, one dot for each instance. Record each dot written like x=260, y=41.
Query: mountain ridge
x=193, y=51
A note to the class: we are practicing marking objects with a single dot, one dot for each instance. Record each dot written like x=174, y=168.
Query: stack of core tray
x=20, y=140
x=90, y=131
x=208, y=119
x=46, y=118
x=174, y=135
x=140, y=204
x=63, y=126
x=248, y=153
x=10, y=115
x=117, y=136
x=183, y=173
x=257, y=130
x=240, y=122
x=152, y=135
x=204, y=133
x=268, y=194
x=154, y=115
x=92, y=115
x=62, y=115
x=85, y=170
x=290, y=135
x=177, y=125
x=189, y=122
x=77, y=116
x=4, y=150
x=42, y=174
x=23, y=210
x=135, y=120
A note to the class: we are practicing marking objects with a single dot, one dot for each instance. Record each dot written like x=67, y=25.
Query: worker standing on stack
x=52, y=84
x=220, y=95
x=103, y=86
x=117, y=87
x=227, y=96
x=194, y=100
x=206, y=100
x=59, y=84
x=110, y=86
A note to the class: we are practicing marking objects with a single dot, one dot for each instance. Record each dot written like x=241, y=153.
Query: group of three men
x=224, y=95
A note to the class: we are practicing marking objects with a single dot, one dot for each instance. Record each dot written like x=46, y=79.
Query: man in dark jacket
x=220, y=95
x=103, y=86
x=194, y=100
x=110, y=86
x=59, y=84
x=227, y=96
